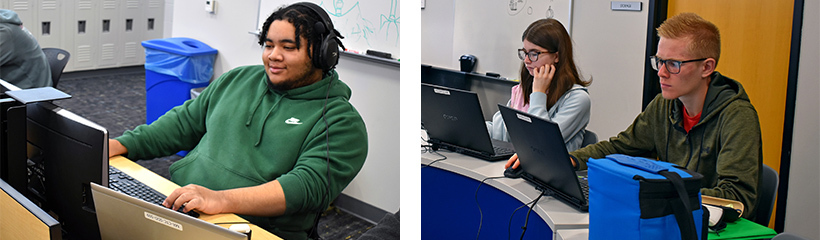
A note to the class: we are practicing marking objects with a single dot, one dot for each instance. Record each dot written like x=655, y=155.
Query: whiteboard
x=364, y=24
x=491, y=30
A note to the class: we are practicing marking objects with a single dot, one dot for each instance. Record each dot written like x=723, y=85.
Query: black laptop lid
x=542, y=152
x=454, y=116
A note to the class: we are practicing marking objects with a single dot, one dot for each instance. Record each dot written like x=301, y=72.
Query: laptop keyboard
x=584, y=186
x=502, y=150
x=124, y=183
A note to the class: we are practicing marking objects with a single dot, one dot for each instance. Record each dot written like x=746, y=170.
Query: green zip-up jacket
x=242, y=133
x=725, y=145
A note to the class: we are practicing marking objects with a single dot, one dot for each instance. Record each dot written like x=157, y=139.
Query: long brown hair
x=551, y=35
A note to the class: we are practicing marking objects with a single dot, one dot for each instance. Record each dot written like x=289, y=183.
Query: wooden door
x=755, y=46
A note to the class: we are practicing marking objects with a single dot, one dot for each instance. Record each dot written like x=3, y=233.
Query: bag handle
x=637, y=162
x=683, y=215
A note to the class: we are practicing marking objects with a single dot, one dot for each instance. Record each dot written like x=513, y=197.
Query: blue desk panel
x=449, y=210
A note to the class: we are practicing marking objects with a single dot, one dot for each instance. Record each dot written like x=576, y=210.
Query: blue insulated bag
x=638, y=198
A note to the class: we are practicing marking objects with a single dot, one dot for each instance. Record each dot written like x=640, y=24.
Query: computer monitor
x=64, y=154
x=22, y=219
x=14, y=175
x=17, y=177
x=445, y=77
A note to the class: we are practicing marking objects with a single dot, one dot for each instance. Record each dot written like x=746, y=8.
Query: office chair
x=57, y=59
x=768, y=192
x=589, y=138
x=788, y=236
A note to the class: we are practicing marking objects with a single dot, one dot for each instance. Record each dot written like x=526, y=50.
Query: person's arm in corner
x=180, y=128
x=115, y=148
x=739, y=157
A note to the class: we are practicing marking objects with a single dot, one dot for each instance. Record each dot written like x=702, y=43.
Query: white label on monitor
x=522, y=117
x=441, y=91
x=163, y=221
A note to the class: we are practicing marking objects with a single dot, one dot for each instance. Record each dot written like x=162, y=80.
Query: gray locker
x=50, y=24
x=111, y=27
x=86, y=36
x=133, y=15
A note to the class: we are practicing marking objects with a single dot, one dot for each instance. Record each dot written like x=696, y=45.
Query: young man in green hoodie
x=22, y=61
x=702, y=120
x=264, y=137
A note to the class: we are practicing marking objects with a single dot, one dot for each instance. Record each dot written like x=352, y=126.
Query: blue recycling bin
x=174, y=66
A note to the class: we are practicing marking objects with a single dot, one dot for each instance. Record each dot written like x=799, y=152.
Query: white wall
x=609, y=48
x=374, y=88
x=803, y=212
x=437, y=21
x=226, y=30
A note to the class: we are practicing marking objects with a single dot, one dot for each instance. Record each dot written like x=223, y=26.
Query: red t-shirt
x=689, y=121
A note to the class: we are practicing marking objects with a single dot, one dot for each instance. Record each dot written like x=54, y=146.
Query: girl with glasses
x=551, y=86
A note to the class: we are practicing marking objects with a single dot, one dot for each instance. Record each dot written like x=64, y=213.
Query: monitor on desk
x=8, y=106
x=445, y=77
x=64, y=153
x=16, y=178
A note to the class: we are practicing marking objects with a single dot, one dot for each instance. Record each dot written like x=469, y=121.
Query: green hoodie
x=724, y=146
x=243, y=134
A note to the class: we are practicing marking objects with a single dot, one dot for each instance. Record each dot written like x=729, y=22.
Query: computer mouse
x=513, y=172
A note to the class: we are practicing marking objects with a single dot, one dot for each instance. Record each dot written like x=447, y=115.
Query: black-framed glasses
x=532, y=54
x=672, y=66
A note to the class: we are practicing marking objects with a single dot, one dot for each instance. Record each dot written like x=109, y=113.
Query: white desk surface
x=571, y=234
x=555, y=213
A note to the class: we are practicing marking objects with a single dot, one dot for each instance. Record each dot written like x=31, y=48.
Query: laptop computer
x=454, y=121
x=124, y=217
x=544, y=157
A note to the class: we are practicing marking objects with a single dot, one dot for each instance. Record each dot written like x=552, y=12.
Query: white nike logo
x=293, y=120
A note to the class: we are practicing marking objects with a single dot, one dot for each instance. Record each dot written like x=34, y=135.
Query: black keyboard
x=584, y=187
x=502, y=150
x=124, y=183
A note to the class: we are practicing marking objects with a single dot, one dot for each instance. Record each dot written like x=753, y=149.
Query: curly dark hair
x=303, y=19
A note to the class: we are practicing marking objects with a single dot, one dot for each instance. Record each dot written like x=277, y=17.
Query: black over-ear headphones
x=327, y=55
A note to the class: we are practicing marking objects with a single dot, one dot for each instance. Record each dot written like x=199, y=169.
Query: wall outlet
x=210, y=6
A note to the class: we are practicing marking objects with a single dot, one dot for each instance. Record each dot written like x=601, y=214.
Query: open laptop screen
x=543, y=155
x=125, y=217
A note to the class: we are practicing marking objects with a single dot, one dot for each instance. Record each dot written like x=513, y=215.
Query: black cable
x=429, y=149
x=513, y=214
x=434, y=161
x=527, y=219
x=533, y=202
x=327, y=172
x=481, y=219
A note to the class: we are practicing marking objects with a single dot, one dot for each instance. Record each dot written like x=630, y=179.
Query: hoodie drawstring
x=255, y=107
x=265, y=122
x=700, y=150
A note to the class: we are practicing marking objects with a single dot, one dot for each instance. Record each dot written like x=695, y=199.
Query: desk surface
x=165, y=186
x=555, y=213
